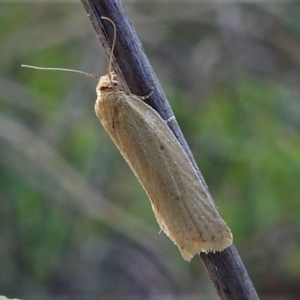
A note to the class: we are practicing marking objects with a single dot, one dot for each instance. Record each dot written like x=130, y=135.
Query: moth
x=181, y=204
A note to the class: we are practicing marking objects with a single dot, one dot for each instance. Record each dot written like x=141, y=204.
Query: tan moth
x=181, y=204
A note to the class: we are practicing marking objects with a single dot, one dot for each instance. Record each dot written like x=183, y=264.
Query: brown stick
x=226, y=269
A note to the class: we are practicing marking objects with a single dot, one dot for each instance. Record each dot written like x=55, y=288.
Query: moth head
x=108, y=83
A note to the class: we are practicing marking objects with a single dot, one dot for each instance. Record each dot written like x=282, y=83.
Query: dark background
x=74, y=221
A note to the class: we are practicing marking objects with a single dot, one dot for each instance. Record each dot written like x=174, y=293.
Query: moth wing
x=181, y=205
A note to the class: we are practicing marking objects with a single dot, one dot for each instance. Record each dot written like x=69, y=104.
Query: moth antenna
x=113, y=44
x=61, y=69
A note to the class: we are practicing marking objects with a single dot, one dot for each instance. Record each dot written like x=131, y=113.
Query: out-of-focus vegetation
x=74, y=221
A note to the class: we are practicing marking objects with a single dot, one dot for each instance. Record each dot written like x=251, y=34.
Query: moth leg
x=172, y=118
x=148, y=95
x=144, y=97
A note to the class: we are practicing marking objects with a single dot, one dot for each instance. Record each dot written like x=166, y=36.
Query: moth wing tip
x=209, y=247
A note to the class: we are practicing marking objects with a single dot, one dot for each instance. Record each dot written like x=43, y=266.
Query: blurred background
x=74, y=221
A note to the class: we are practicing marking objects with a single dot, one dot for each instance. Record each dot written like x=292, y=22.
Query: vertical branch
x=225, y=268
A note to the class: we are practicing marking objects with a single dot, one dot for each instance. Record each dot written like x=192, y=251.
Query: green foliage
x=74, y=219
